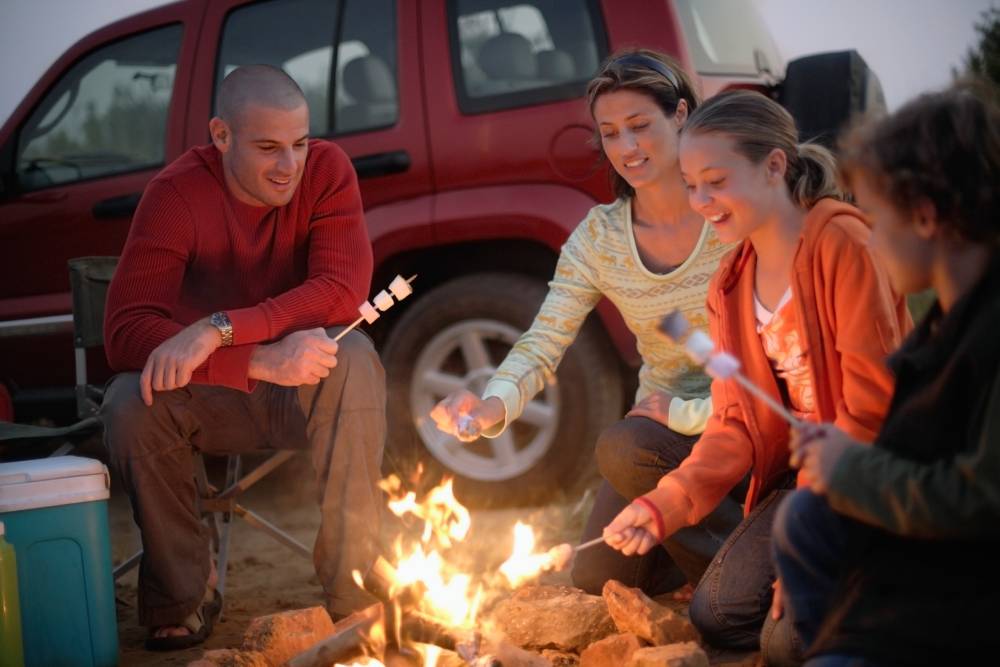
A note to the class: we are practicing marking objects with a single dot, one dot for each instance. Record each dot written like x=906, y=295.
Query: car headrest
x=508, y=56
x=556, y=65
x=368, y=80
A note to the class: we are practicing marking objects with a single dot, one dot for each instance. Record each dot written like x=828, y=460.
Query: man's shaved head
x=257, y=85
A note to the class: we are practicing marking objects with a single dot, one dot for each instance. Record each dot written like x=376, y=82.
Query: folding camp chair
x=89, y=280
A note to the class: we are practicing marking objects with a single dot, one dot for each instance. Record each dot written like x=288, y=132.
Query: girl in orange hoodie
x=810, y=315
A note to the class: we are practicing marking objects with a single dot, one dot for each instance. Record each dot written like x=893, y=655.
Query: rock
x=284, y=635
x=512, y=656
x=561, y=658
x=634, y=612
x=687, y=654
x=230, y=657
x=611, y=651
x=554, y=617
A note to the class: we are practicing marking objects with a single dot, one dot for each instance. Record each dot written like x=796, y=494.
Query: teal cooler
x=56, y=514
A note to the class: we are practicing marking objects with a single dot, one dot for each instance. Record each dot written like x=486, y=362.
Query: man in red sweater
x=243, y=258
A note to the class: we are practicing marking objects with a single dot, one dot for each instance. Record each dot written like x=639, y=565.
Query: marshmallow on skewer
x=467, y=428
x=400, y=288
x=368, y=312
x=719, y=365
x=699, y=347
x=722, y=366
x=383, y=301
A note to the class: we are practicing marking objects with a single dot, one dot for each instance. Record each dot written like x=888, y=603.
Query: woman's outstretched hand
x=465, y=415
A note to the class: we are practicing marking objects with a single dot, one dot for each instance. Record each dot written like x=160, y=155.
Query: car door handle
x=117, y=207
x=381, y=164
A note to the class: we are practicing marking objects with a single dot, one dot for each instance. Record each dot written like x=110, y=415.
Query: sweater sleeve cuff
x=250, y=325
x=228, y=367
x=510, y=396
x=689, y=417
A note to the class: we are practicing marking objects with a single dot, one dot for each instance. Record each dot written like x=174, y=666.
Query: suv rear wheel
x=454, y=337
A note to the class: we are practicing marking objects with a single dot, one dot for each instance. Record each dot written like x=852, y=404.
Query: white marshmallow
x=467, y=428
x=400, y=288
x=722, y=365
x=368, y=312
x=699, y=346
x=383, y=301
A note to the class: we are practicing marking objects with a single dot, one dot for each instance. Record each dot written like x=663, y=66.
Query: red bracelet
x=661, y=527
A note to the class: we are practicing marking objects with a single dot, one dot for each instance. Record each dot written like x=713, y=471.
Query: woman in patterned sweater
x=648, y=253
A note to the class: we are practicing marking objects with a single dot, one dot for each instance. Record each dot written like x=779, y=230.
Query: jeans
x=343, y=426
x=809, y=540
x=733, y=599
x=632, y=455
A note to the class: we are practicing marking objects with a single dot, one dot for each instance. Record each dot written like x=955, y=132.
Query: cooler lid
x=58, y=480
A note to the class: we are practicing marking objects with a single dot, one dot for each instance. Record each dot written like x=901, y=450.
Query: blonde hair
x=647, y=72
x=757, y=126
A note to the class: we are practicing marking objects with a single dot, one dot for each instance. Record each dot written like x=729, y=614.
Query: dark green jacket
x=923, y=568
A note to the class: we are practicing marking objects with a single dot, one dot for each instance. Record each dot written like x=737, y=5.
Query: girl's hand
x=643, y=524
x=633, y=531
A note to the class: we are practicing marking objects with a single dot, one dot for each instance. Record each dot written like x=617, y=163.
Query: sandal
x=199, y=624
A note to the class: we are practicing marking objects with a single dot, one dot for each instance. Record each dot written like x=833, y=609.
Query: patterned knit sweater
x=600, y=259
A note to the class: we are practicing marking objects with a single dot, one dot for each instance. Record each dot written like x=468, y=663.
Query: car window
x=106, y=115
x=511, y=53
x=301, y=35
x=728, y=38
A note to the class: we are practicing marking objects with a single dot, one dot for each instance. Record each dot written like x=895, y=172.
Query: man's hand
x=448, y=415
x=172, y=363
x=303, y=357
x=816, y=449
x=656, y=406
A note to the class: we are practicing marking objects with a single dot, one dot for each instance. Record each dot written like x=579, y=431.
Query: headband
x=640, y=60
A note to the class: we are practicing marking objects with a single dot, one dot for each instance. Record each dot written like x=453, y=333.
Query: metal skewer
x=586, y=545
x=764, y=396
x=362, y=319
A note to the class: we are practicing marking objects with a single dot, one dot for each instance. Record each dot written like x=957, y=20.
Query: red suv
x=466, y=123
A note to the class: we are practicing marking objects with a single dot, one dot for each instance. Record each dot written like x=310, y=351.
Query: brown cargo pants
x=342, y=420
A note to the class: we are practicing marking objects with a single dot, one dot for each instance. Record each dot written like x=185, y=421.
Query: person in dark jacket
x=889, y=557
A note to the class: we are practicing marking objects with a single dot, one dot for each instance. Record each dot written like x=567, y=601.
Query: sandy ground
x=265, y=577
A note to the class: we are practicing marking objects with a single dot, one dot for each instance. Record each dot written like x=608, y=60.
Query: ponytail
x=812, y=175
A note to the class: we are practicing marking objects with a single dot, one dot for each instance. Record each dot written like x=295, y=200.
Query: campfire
x=433, y=612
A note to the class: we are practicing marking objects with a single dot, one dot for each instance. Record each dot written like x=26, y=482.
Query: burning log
x=352, y=637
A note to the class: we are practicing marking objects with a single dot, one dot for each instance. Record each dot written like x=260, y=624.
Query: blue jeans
x=632, y=455
x=733, y=599
x=809, y=542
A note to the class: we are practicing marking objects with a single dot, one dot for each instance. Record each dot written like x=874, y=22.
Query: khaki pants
x=341, y=420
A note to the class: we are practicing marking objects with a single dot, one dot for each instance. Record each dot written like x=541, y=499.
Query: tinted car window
x=510, y=53
x=300, y=39
x=106, y=115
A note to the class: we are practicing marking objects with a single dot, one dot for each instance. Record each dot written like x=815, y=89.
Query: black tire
x=588, y=379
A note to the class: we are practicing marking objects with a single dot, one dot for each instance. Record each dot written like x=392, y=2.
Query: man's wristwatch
x=221, y=322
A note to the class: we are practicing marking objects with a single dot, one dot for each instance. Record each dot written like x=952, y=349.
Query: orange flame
x=523, y=564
